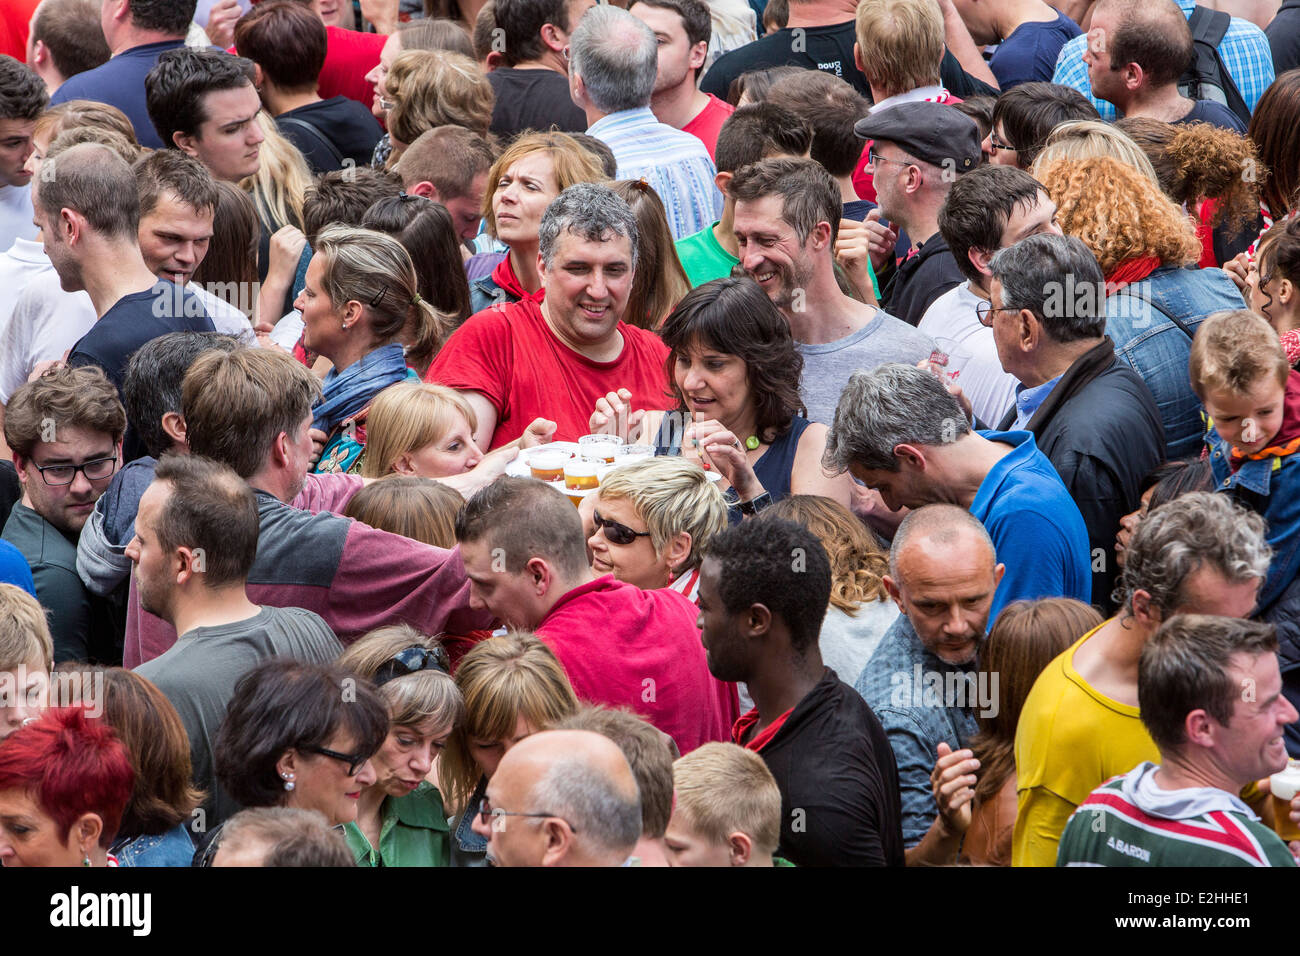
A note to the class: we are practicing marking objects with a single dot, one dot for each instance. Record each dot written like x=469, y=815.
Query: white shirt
x=24, y=261
x=16, y=215
x=225, y=317
x=991, y=390
x=46, y=322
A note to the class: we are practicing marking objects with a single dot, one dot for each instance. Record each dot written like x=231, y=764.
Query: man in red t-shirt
x=553, y=360
x=526, y=557
x=683, y=28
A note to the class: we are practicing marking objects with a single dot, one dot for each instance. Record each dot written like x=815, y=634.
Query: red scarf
x=1291, y=343
x=748, y=720
x=504, y=276
x=1129, y=271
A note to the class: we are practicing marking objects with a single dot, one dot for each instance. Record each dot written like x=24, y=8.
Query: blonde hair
x=431, y=88
x=1232, y=351
x=406, y=417
x=571, y=163
x=671, y=495
x=281, y=180
x=375, y=269
x=429, y=694
x=80, y=114
x=24, y=632
x=721, y=789
x=857, y=562
x=901, y=43
x=502, y=679
x=1090, y=139
x=1119, y=213
x=413, y=507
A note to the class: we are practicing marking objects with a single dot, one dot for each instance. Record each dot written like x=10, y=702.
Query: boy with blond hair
x=726, y=809
x=1251, y=396
x=26, y=655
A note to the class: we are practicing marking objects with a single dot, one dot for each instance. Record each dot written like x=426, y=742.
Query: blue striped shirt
x=1244, y=50
x=674, y=163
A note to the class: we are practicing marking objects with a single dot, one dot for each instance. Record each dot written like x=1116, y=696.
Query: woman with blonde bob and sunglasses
x=513, y=687
x=400, y=817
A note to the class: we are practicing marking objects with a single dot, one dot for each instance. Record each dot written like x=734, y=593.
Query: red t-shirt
x=627, y=647
x=510, y=355
x=748, y=720
x=349, y=56
x=15, y=18
x=708, y=122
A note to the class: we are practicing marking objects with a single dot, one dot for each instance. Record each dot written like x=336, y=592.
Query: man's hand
x=853, y=253
x=318, y=439
x=953, y=780
x=287, y=244
x=951, y=384
x=614, y=416
x=382, y=15
x=221, y=23
x=882, y=239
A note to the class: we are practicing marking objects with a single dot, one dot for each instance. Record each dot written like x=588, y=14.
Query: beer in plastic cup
x=548, y=465
x=580, y=474
x=1284, y=785
x=599, y=447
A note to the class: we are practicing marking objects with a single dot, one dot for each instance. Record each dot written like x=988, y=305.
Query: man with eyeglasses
x=919, y=151
x=561, y=798
x=65, y=430
x=196, y=535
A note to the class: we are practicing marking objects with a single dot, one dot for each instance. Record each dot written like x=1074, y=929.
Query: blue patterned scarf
x=351, y=390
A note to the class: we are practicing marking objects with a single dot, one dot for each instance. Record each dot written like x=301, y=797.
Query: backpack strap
x=1208, y=28
x=1159, y=308
x=315, y=131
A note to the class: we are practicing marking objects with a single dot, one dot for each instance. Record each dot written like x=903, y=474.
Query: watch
x=754, y=505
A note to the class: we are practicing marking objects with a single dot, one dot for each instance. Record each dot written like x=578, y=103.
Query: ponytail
x=425, y=332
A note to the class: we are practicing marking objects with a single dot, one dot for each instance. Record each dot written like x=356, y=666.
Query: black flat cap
x=934, y=133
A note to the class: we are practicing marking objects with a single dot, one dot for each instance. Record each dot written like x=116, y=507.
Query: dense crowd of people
x=672, y=432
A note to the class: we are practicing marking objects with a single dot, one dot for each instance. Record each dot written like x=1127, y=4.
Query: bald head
x=931, y=533
x=579, y=777
x=1151, y=33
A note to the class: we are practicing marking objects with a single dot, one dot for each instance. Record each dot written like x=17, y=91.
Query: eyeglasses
x=96, y=469
x=995, y=145
x=412, y=660
x=488, y=813
x=985, y=311
x=616, y=533
x=354, y=761
x=873, y=157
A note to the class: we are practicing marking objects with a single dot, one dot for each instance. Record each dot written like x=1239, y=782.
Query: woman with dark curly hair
x=1200, y=166
x=1145, y=244
x=735, y=372
x=1275, y=131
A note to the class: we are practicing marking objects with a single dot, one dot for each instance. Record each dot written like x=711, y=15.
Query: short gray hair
x=941, y=523
x=1032, y=274
x=590, y=211
x=891, y=405
x=617, y=57
x=575, y=789
x=1177, y=539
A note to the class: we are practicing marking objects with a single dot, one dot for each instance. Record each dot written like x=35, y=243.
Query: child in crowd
x=26, y=655
x=1273, y=284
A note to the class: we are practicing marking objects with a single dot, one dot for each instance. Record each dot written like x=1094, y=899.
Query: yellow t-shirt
x=1070, y=739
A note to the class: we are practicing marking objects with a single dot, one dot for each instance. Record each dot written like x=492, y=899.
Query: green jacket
x=413, y=832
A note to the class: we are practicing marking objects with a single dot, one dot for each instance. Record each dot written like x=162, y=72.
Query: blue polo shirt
x=1035, y=526
x=120, y=83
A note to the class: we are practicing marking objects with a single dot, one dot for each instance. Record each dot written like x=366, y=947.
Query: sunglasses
x=616, y=533
x=412, y=660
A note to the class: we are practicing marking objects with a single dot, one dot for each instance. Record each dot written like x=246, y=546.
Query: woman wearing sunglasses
x=513, y=686
x=400, y=817
x=652, y=522
x=735, y=371
x=298, y=735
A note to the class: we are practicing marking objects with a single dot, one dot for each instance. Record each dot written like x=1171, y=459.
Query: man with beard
x=195, y=540
x=921, y=680
x=787, y=216
x=65, y=430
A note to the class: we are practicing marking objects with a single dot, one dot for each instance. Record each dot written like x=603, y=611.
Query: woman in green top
x=400, y=818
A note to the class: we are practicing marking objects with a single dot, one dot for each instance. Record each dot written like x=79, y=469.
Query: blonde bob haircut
x=1233, y=351
x=406, y=417
x=1118, y=212
x=431, y=88
x=671, y=495
x=24, y=632
x=426, y=695
x=1090, y=139
x=374, y=269
x=502, y=679
x=901, y=43
x=721, y=789
x=570, y=161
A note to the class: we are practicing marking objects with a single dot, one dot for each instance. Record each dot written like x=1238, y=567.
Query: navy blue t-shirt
x=1031, y=50
x=120, y=83
x=1208, y=111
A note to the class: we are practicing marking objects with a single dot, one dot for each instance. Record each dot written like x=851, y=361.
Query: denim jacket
x=1158, y=350
x=485, y=293
x=173, y=848
x=1271, y=488
x=467, y=847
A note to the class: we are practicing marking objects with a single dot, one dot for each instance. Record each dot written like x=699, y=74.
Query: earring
x=85, y=858
x=288, y=781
